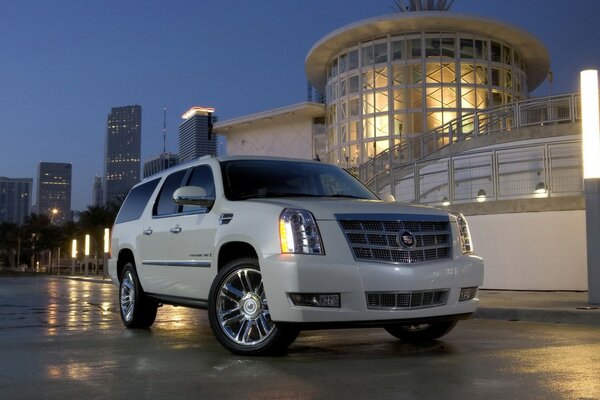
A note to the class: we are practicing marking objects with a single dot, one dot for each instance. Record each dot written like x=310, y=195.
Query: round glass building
x=393, y=78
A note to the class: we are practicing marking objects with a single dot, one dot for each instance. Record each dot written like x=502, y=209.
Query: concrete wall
x=282, y=137
x=533, y=250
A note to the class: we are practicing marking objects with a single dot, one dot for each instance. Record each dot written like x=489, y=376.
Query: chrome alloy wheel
x=242, y=309
x=127, y=296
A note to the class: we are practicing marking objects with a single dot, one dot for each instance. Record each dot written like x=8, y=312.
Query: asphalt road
x=63, y=339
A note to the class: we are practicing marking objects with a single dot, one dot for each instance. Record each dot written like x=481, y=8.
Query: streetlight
x=86, y=253
x=106, y=251
x=590, y=129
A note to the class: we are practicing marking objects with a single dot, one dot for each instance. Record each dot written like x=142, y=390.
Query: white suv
x=272, y=246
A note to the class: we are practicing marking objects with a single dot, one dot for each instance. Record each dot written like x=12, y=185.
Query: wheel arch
x=125, y=256
x=234, y=250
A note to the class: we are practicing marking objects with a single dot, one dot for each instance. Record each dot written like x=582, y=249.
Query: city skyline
x=71, y=63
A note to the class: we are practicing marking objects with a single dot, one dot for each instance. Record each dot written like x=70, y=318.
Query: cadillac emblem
x=406, y=239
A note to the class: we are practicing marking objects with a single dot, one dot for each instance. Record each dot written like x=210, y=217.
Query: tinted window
x=246, y=179
x=136, y=201
x=165, y=204
x=201, y=176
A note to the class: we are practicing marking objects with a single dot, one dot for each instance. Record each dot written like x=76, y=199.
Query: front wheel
x=137, y=310
x=420, y=332
x=239, y=313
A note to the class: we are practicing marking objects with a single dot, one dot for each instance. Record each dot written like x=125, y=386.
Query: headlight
x=465, y=235
x=298, y=232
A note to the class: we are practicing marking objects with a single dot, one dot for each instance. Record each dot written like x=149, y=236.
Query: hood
x=327, y=208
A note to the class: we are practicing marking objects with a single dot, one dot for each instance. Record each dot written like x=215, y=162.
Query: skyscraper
x=196, y=138
x=98, y=192
x=15, y=199
x=54, y=191
x=160, y=163
x=122, y=152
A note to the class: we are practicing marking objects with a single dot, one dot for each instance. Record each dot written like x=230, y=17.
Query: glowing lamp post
x=86, y=253
x=590, y=129
x=106, y=251
x=73, y=255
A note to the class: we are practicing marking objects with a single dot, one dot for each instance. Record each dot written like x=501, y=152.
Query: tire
x=239, y=314
x=422, y=332
x=137, y=310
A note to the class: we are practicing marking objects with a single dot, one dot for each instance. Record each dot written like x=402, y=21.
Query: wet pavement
x=63, y=338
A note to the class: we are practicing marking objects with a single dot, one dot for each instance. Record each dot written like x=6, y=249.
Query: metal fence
x=531, y=171
x=539, y=111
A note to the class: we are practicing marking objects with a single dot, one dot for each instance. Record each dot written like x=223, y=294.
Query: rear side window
x=136, y=201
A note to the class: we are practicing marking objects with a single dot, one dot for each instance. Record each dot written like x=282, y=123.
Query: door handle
x=147, y=231
x=176, y=229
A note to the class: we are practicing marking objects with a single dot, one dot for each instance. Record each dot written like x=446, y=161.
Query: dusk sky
x=65, y=63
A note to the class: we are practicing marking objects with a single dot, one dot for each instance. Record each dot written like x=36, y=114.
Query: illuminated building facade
x=393, y=78
x=122, y=151
x=196, y=136
x=15, y=199
x=54, y=191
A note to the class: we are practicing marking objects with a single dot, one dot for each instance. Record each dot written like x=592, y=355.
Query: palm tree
x=9, y=243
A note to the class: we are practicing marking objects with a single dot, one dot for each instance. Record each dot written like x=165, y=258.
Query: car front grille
x=380, y=240
x=406, y=300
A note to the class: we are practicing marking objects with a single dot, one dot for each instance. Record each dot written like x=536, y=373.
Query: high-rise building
x=160, y=163
x=196, y=138
x=98, y=192
x=54, y=191
x=122, y=152
x=15, y=199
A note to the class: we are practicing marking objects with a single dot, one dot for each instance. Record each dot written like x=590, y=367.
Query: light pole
x=106, y=251
x=73, y=256
x=86, y=253
x=590, y=129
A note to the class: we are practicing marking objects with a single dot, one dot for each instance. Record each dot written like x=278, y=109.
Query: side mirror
x=387, y=198
x=193, y=196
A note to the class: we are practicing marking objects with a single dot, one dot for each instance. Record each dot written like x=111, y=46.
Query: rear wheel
x=137, y=310
x=421, y=332
x=239, y=313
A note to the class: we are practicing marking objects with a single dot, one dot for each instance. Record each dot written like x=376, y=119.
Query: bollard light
x=87, y=245
x=590, y=125
x=106, y=240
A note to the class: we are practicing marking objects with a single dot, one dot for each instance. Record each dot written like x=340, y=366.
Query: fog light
x=468, y=293
x=316, y=299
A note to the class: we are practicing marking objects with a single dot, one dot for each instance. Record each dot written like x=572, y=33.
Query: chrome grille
x=377, y=240
x=406, y=300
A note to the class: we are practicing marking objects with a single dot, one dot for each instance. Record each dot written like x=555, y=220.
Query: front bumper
x=285, y=274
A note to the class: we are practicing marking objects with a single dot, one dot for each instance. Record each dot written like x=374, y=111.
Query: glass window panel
x=449, y=96
x=342, y=111
x=467, y=50
x=353, y=59
x=343, y=134
x=353, y=87
x=495, y=76
x=368, y=80
x=354, y=155
x=415, y=97
x=448, y=47
x=448, y=73
x=398, y=75
x=496, y=97
x=399, y=99
x=433, y=73
x=343, y=66
x=368, y=128
x=434, y=97
x=483, y=98
x=481, y=75
x=382, y=126
x=467, y=73
x=433, y=47
x=381, y=101
x=496, y=52
x=345, y=157
x=381, y=77
x=353, y=107
x=367, y=56
x=381, y=53
x=416, y=73
x=334, y=65
x=415, y=48
x=507, y=55
x=508, y=79
x=434, y=120
x=399, y=124
x=469, y=97
x=353, y=129
x=397, y=50
x=343, y=87
x=415, y=122
x=368, y=103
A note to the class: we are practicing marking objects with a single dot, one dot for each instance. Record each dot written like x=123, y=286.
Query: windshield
x=247, y=179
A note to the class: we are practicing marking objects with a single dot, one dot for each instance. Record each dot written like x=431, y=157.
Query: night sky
x=64, y=64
